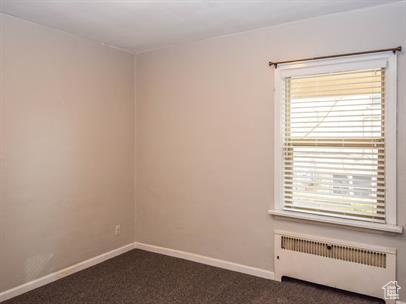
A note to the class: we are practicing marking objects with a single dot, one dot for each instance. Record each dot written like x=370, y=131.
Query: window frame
x=357, y=62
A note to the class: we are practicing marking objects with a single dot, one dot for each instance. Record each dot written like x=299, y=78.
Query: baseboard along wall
x=52, y=277
x=262, y=273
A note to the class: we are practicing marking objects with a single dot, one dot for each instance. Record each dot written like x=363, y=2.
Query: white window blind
x=333, y=144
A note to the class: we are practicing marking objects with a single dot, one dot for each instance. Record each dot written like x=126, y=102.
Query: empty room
x=202, y=151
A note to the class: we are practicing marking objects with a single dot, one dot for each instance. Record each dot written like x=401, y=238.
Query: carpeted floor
x=143, y=277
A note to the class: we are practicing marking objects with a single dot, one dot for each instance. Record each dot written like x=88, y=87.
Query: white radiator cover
x=349, y=266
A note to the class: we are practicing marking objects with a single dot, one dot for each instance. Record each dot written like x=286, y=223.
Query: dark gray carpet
x=143, y=277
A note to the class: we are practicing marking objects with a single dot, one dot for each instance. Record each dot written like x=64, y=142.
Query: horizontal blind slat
x=337, y=211
x=332, y=186
x=334, y=214
x=330, y=99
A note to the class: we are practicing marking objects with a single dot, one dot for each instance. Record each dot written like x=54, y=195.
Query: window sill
x=337, y=221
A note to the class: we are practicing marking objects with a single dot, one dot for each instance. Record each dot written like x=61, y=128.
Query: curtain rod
x=394, y=50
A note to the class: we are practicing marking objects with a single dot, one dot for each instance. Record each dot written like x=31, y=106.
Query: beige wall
x=66, y=150
x=205, y=136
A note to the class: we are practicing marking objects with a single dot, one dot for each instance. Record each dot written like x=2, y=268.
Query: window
x=336, y=138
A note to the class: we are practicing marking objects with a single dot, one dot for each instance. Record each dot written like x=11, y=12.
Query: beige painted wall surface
x=205, y=136
x=66, y=150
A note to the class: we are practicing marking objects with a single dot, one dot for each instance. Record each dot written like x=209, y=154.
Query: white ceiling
x=142, y=25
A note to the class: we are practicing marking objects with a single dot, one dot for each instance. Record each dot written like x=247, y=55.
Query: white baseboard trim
x=16, y=291
x=258, y=272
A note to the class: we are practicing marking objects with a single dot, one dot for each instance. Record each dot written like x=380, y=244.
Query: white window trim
x=388, y=60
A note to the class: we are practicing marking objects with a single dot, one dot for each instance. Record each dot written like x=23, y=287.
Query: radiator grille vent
x=334, y=251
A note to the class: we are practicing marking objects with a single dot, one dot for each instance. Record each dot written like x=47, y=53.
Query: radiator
x=355, y=267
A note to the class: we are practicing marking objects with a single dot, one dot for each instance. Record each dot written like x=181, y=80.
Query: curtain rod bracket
x=394, y=50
